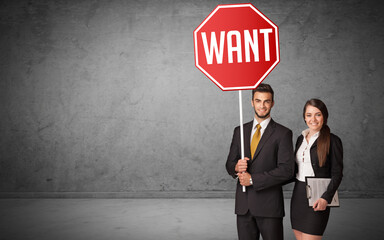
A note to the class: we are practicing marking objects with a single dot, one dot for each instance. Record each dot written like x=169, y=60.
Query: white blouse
x=303, y=157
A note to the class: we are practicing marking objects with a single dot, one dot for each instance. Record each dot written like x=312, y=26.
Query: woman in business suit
x=319, y=153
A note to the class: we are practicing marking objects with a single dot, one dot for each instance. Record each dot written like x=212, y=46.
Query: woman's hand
x=320, y=205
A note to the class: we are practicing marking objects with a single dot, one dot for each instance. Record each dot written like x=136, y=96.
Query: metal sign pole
x=241, y=129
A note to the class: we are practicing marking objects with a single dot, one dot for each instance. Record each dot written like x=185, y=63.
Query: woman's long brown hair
x=324, y=139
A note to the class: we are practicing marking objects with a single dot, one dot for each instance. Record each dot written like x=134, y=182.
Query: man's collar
x=263, y=124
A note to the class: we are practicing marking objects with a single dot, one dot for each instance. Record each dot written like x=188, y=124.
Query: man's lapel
x=247, y=138
x=267, y=133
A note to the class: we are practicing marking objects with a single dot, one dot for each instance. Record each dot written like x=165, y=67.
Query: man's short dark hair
x=263, y=87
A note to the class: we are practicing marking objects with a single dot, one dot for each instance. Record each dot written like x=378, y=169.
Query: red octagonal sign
x=236, y=46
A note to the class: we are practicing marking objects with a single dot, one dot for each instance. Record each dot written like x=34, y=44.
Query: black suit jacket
x=272, y=165
x=333, y=167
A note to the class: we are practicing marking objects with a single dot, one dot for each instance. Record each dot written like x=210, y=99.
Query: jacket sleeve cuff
x=327, y=197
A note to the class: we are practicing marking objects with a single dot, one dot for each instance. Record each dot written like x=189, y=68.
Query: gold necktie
x=255, y=140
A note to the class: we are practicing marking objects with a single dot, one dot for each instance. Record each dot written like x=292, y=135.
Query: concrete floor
x=168, y=219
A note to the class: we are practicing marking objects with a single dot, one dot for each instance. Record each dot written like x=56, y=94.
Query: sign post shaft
x=241, y=128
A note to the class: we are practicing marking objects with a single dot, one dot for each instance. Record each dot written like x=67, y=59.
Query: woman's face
x=314, y=118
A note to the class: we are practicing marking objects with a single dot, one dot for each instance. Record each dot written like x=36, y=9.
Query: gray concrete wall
x=103, y=96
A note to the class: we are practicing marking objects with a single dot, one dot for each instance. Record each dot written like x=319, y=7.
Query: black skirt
x=303, y=217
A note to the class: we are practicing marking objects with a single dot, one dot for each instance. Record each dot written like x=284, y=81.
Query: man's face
x=262, y=104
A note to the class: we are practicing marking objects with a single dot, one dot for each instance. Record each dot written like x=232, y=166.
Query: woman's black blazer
x=333, y=167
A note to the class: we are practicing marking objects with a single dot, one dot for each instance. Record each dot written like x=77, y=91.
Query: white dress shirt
x=263, y=125
x=303, y=157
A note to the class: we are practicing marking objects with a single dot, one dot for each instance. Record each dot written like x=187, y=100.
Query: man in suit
x=268, y=163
